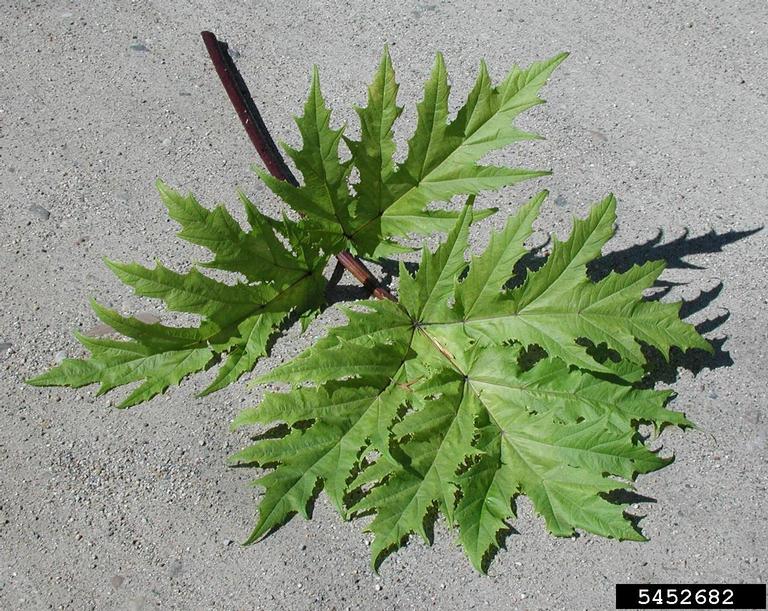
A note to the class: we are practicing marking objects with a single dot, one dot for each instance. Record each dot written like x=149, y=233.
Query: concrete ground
x=663, y=103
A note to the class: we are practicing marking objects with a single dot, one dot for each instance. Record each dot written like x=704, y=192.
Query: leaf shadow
x=672, y=252
x=502, y=536
x=624, y=496
x=661, y=370
x=345, y=293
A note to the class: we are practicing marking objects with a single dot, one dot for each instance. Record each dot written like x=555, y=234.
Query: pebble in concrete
x=40, y=212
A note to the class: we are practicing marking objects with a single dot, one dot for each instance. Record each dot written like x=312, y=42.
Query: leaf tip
x=161, y=186
x=440, y=61
x=38, y=380
x=315, y=86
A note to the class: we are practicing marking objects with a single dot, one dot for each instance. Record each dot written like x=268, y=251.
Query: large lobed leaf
x=237, y=320
x=389, y=201
x=433, y=405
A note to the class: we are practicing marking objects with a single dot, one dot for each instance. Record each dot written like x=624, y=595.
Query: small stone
x=147, y=317
x=598, y=135
x=40, y=212
x=117, y=581
x=227, y=542
x=175, y=568
x=100, y=330
x=5, y=348
x=59, y=357
x=377, y=587
x=138, y=47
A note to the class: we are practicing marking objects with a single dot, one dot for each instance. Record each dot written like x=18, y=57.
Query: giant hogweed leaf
x=426, y=295
x=346, y=416
x=403, y=500
x=535, y=426
x=374, y=346
x=484, y=510
x=413, y=411
x=551, y=387
x=237, y=320
x=114, y=363
x=442, y=156
x=491, y=270
x=390, y=201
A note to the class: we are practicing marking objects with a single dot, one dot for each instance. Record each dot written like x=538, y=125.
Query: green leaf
x=344, y=419
x=426, y=296
x=491, y=270
x=388, y=202
x=418, y=409
x=237, y=321
x=561, y=469
x=116, y=363
x=568, y=394
x=442, y=156
x=485, y=507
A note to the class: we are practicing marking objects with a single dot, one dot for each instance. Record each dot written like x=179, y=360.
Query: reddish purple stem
x=254, y=126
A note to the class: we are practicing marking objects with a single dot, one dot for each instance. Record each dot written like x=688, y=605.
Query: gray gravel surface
x=663, y=103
